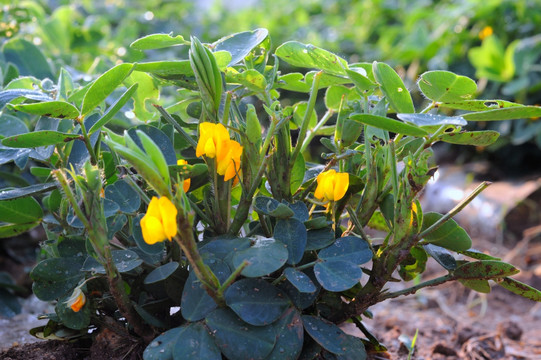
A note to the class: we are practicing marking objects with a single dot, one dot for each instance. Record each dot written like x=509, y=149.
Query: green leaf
x=9, y=304
x=292, y=233
x=124, y=195
x=26, y=191
x=476, y=254
x=325, y=333
x=481, y=286
x=271, y=207
x=432, y=119
x=196, y=303
x=337, y=276
x=300, y=280
x=55, y=277
x=484, y=270
x=161, y=273
x=264, y=257
x=334, y=95
x=11, y=94
x=53, y=109
x=300, y=211
x=159, y=138
x=303, y=83
x=158, y=41
x=27, y=57
x=445, y=86
x=147, y=89
x=393, y=88
x=238, y=340
x=256, y=301
x=252, y=79
x=221, y=248
x=289, y=336
x=38, y=138
x=475, y=138
x=310, y=56
x=319, y=238
x=104, y=86
x=442, y=256
x=359, y=78
x=10, y=125
x=113, y=109
x=479, y=105
x=11, y=230
x=297, y=173
x=179, y=72
x=509, y=113
x=241, y=44
x=195, y=342
x=450, y=235
x=161, y=348
x=20, y=210
x=71, y=319
x=388, y=124
x=317, y=223
x=520, y=288
x=350, y=248
x=124, y=260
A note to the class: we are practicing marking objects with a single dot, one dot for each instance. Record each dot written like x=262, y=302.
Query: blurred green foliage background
x=497, y=42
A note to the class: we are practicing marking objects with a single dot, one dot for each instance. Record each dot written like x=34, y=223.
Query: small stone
x=511, y=330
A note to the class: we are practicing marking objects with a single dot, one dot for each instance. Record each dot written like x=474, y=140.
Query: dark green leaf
x=38, y=138
x=319, y=239
x=485, y=269
x=161, y=348
x=11, y=94
x=161, y=273
x=55, y=277
x=195, y=342
x=393, y=88
x=310, y=56
x=510, y=113
x=450, y=235
x=53, y=109
x=300, y=211
x=104, y=86
x=124, y=260
x=159, y=138
x=20, y=210
x=300, y=280
x=221, y=248
x=9, y=304
x=292, y=233
x=350, y=249
x=475, y=138
x=256, y=301
x=432, y=119
x=388, y=124
x=238, y=340
x=79, y=153
x=317, y=223
x=113, y=109
x=26, y=191
x=520, y=288
x=124, y=195
x=10, y=125
x=301, y=300
x=325, y=333
x=297, y=174
x=158, y=41
x=289, y=336
x=196, y=303
x=446, y=86
x=264, y=257
x=481, y=286
x=338, y=275
x=479, y=105
x=476, y=254
x=442, y=256
x=115, y=224
x=271, y=207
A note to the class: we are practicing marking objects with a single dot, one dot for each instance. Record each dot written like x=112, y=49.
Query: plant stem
x=314, y=131
x=411, y=290
x=88, y=143
x=227, y=107
x=231, y=278
x=59, y=174
x=461, y=205
x=176, y=125
x=306, y=119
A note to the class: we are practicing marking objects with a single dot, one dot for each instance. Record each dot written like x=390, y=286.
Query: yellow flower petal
x=341, y=185
x=152, y=229
x=210, y=148
x=168, y=217
x=186, y=185
x=154, y=208
x=331, y=186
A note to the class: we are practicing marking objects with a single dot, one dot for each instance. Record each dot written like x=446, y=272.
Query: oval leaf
x=520, y=288
x=325, y=333
x=11, y=230
x=475, y=138
x=113, y=109
x=55, y=277
x=450, y=235
x=510, y=113
x=104, y=86
x=264, y=257
x=124, y=196
x=26, y=191
x=289, y=336
x=350, y=248
x=300, y=280
x=446, y=86
x=256, y=301
x=393, y=88
x=158, y=41
x=161, y=348
x=20, y=210
x=238, y=340
x=388, y=124
x=337, y=275
x=195, y=342
x=485, y=269
x=292, y=233
x=432, y=119
x=38, y=138
x=52, y=109
x=310, y=56
x=239, y=45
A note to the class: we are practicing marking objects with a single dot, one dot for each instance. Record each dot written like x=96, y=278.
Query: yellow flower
x=187, y=182
x=486, y=32
x=214, y=143
x=229, y=166
x=77, y=300
x=331, y=186
x=160, y=221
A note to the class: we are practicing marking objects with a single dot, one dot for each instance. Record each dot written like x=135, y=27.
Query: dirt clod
x=511, y=330
x=443, y=349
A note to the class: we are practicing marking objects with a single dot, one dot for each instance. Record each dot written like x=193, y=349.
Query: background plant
x=261, y=262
